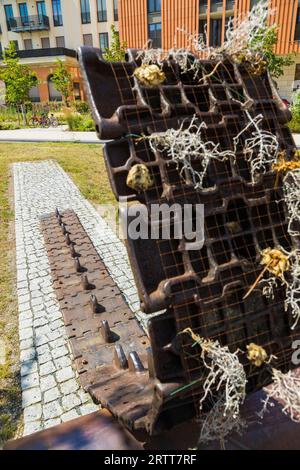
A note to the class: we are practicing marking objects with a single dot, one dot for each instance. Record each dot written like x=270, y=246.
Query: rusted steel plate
x=108, y=345
x=202, y=289
x=96, y=431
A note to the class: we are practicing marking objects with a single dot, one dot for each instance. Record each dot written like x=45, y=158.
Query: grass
x=85, y=165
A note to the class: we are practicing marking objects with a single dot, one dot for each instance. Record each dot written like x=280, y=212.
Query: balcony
x=47, y=52
x=29, y=23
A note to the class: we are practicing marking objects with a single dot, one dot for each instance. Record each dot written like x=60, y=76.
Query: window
x=88, y=39
x=28, y=44
x=103, y=38
x=297, y=30
x=202, y=6
x=34, y=93
x=116, y=15
x=76, y=91
x=85, y=11
x=252, y=3
x=155, y=34
x=101, y=10
x=23, y=12
x=41, y=9
x=54, y=95
x=1, y=50
x=60, y=41
x=202, y=28
x=45, y=43
x=216, y=5
x=154, y=6
x=57, y=15
x=9, y=14
x=215, y=32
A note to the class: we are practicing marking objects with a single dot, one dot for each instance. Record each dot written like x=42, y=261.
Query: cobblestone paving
x=50, y=390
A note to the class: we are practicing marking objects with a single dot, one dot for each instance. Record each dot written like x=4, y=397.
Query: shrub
x=79, y=122
x=81, y=107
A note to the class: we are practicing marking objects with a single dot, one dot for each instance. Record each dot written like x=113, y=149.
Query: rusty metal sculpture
x=201, y=290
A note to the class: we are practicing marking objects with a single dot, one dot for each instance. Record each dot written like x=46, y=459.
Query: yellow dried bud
x=256, y=354
x=150, y=75
x=275, y=261
x=139, y=178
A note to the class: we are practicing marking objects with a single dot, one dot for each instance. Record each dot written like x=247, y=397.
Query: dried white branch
x=217, y=426
x=293, y=288
x=285, y=389
x=291, y=188
x=225, y=370
x=185, y=146
x=261, y=149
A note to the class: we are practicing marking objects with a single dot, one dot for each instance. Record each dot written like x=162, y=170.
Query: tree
x=117, y=50
x=18, y=79
x=62, y=80
x=265, y=40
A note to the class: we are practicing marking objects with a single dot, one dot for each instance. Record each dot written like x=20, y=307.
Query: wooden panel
x=179, y=14
x=133, y=22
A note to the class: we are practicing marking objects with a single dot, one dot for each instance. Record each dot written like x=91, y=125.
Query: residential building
x=161, y=20
x=46, y=30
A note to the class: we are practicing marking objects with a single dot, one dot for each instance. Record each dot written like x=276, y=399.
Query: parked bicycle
x=43, y=121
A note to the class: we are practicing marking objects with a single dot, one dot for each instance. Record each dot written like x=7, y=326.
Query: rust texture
x=201, y=289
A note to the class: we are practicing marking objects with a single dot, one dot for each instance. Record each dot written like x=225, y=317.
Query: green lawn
x=85, y=165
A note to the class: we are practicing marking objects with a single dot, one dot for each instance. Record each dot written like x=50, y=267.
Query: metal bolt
x=120, y=359
x=106, y=332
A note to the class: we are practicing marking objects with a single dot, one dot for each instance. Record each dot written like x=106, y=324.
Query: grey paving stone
x=52, y=394
x=31, y=396
x=47, y=382
x=72, y=414
x=30, y=381
x=64, y=374
x=33, y=413
x=52, y=410
x=69, y=386
x=47, y=368
x=70, y=401
x=28, y=367
x=31, y=427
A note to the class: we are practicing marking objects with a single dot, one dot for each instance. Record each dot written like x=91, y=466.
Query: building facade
x=46, y=30
x=160, y=20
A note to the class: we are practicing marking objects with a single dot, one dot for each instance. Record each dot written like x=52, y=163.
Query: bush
x=79, y=122
x=8, y=126
x=81, y=107
x=294, y=124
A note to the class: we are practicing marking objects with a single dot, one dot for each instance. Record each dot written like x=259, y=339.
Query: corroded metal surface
x=200, y=289
x=108, y=345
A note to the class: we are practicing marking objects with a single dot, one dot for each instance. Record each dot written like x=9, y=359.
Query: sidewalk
x=51, y=134
x=60, y=134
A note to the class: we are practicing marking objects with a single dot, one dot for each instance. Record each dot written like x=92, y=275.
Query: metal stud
x=96, y=307
x=120, y=359
x=134, y=362
x=73, y=252
x=78, y=267
x=68, y=239
x=64, y=229
x=106, y=332
x=85, y=282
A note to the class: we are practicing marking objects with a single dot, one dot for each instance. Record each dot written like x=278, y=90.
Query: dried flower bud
x=139, y=178
x=256, y=354
x=150, y=75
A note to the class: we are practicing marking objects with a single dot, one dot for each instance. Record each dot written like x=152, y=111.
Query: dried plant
x=276, y=262
x=185, y=146
x=292, y=300
x=244, y=42
x=285, y=389
x=218, y=426
x=256, y=354
x=261, y=149
x=225, y=370
x=291, y=188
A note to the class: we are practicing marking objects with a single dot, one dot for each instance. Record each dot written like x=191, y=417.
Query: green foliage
x=264, y=41
x=117, y=50
x=81, y=107
x=62, y=80
x=18, y=78
x=79, y=122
